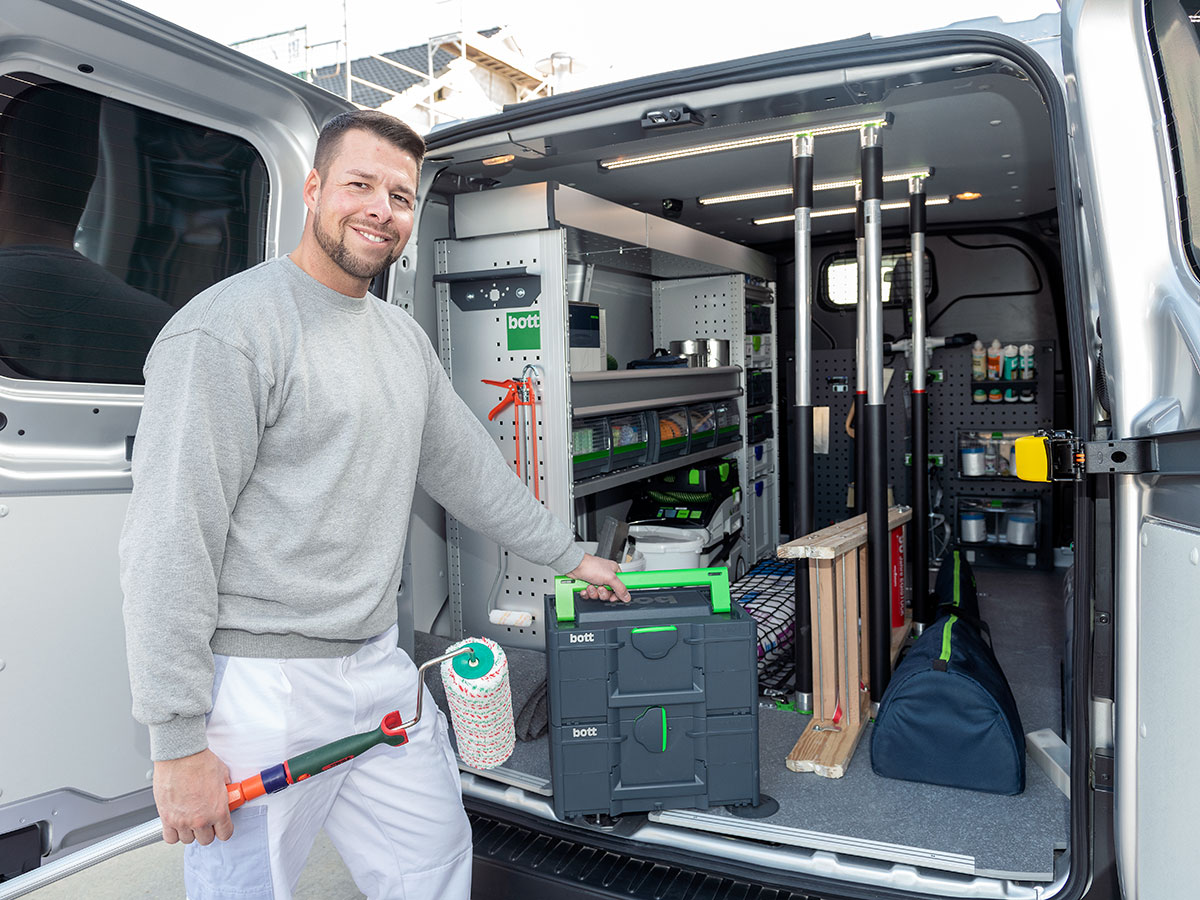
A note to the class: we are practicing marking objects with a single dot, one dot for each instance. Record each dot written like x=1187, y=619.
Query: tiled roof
x=333, y=78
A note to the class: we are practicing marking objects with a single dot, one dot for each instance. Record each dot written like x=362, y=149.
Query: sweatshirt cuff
x=568, y=560
x=181, y=736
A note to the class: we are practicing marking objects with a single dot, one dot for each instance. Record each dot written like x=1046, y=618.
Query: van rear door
x=1135, y=107
x=138, y=165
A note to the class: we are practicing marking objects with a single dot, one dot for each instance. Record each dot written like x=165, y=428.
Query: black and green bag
x=948, y=715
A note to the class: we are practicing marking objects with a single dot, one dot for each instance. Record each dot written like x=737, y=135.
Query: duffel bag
x=948, y=715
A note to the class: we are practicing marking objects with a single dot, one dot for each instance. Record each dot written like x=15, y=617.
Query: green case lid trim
x=693, y=476
x=586, y=457
x=716, y=580
x=626, y=448
x=652, y=628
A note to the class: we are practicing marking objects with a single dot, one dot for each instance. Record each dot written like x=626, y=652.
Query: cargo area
x=662, y=227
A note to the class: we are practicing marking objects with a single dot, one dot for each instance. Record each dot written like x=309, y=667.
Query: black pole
x=918, y=528
x=878, y=537
x=802, y=435
x=860, y=384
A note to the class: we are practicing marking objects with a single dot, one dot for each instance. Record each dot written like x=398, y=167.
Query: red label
x=897, y=578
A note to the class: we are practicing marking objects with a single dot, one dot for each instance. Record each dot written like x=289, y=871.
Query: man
x=288, y=417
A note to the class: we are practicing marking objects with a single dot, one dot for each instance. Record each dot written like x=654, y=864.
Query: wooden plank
x=826, y=749
x=824, y=636
x=839, y=538
x=864, y=616
x=848, y=635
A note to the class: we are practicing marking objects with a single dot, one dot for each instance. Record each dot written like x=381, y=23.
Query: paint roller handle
x=391, y=731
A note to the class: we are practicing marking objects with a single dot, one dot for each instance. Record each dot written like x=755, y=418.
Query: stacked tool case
x=653, y=704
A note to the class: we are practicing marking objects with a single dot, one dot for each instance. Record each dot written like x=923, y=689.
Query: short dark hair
x=380, y=124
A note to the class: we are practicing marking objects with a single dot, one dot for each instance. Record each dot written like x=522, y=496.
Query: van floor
x=863, y=814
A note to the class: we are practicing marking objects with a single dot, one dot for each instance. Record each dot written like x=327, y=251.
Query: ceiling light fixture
x=940, y=200
x=785, y=190
x=622, y=162
x=968, y=195
x=499, y=160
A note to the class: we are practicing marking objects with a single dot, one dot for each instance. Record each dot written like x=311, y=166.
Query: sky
x=611, y=40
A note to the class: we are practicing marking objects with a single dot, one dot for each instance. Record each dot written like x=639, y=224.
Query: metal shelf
x=637, y=473
x=629, y=390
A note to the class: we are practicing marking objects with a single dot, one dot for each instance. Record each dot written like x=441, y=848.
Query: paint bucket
x=972, y=462
x=971, y=528
x=1020, y=529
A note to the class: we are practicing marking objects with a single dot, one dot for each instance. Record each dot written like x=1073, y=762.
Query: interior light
x=940, y=200
x=784, y=190
x=968, y=195
x=499, y=160
x=621, y=162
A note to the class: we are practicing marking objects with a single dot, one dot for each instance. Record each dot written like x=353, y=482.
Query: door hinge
x=1102, y=772
x=1169, y=454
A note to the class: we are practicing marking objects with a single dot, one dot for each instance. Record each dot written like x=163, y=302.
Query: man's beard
x=355, y=266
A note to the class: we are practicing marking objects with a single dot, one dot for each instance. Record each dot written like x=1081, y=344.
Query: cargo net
x=766, y=594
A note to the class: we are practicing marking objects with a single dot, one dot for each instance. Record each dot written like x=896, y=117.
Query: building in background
x=454, y=76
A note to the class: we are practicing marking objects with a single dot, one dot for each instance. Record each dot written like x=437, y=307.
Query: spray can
x=1012, y=363
x=1027, y=363
x=978, y=362
x=993, y=361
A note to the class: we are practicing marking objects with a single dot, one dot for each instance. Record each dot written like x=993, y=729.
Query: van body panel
x=1146, y=297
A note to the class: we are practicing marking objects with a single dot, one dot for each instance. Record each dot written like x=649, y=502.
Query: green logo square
x=524, y=330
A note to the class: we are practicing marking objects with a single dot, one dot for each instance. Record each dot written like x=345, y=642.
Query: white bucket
x=633, y=562
x=669, y=548
x=972, y=529
x=1020, y=529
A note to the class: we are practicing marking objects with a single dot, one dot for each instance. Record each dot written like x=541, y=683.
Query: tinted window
x=111, y=218
x=1178, y=48
x=839, y=279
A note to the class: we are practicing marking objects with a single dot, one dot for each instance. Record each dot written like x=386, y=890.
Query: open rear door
x=1134, y=103
x=138, y=165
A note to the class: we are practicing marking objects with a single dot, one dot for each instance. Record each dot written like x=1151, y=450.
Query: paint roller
x=475, y=677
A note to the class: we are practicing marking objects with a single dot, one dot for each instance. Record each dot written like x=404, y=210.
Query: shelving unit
x=502, y=293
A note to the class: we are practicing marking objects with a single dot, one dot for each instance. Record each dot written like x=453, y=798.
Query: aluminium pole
x=802, y=435
x=860, y=360
x=918, y=536
x=875, y=424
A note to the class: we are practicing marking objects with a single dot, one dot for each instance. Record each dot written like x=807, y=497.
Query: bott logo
x=525, y=320
x=588, y=638
x=583, y=732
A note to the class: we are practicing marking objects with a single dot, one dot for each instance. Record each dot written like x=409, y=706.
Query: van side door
x=139, y=164
x=1134, y=103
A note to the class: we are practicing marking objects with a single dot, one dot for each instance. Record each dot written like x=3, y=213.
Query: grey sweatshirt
x=284, y=429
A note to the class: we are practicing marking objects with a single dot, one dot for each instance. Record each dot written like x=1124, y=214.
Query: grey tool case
x=653, y=703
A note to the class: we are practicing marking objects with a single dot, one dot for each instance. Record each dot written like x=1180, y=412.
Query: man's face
x=363, y=205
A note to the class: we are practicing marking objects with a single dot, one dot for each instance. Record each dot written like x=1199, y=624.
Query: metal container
x=702, y=352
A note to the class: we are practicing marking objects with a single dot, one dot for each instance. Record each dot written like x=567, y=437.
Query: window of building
x=111, y=218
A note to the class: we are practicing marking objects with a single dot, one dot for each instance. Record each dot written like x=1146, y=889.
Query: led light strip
x=940, y=200
x=786, y=190
x=622, y=162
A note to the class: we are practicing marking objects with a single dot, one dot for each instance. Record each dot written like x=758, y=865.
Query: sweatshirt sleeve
x=462, y=469
x=203, y=414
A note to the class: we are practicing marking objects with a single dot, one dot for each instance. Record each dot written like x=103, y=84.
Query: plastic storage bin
x=673, y=429
x=760, y=427
x=591, y=447
x=630, y=440
x=669, y=547
x=762, y=457
x=703, y=418
x=759, y=387
x=729, y=423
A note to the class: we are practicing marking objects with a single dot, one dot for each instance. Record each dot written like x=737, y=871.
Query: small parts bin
x=591, y=447
x=703, y=418
x=630, y=440
x=729, y=423
x=672, y=433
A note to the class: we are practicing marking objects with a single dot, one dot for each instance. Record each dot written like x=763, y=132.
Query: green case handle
x=716, y=580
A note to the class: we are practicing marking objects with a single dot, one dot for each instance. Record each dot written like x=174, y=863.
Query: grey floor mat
x=937, y=827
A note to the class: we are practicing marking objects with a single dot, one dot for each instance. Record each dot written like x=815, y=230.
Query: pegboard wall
x=833, y=472
x=951, y=410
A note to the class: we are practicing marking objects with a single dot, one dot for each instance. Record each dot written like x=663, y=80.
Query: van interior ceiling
x=977, y=127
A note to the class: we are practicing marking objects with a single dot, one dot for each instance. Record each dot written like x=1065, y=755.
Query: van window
x=111, y=218
x=1178, y=57
x=839, y=279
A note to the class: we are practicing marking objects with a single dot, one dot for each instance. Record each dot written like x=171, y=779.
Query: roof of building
x=333, y=78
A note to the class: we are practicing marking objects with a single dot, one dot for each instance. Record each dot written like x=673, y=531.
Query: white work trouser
x=394, y=813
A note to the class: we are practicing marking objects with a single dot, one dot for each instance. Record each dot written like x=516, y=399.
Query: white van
x=1061, y=163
